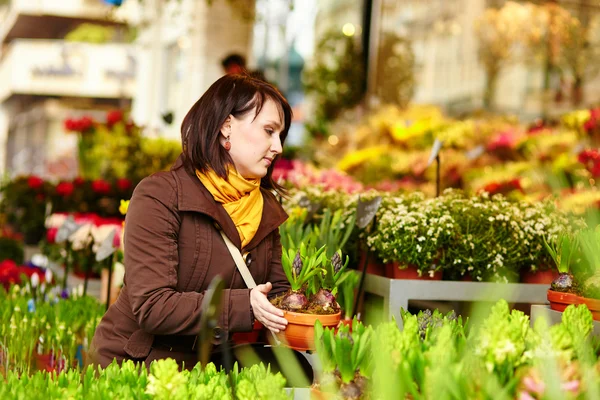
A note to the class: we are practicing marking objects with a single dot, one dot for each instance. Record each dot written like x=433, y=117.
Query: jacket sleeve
x=276, y=275
x=152, y=262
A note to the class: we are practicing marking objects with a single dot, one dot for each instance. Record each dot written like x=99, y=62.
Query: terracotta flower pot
x=374, y=265
x=300, y=331
x=593, y=305
x=347, y=322
x=544, y=277
x=561, y=300
x=411, y=272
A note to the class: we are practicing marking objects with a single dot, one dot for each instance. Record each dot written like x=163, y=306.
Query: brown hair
x=230, y=95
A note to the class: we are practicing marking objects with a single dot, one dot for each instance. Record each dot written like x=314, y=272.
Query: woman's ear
x=226, y=127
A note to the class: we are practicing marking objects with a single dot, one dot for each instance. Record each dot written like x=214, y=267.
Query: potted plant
x=313, y=279
x=346, y=360
x=411, y=237
x=563, y=290
x=590, y=289
x=347, y=286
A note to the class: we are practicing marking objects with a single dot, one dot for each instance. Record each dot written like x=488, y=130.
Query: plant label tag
x=106, y=248
x=66, y=229
x=304, y=202
x=475, y=152
x=435, y=150
x=366, y=210
x=313, y=208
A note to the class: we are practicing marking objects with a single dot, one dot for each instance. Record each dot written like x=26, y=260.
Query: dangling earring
x=227, y=143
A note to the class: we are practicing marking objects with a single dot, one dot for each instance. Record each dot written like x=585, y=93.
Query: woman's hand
x=265, y=312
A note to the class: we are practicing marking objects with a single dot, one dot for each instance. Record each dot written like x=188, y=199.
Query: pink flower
x=504, y=140
x=117, y=240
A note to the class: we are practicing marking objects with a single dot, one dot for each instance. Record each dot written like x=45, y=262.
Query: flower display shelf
x=397, y=293
x=554, y=317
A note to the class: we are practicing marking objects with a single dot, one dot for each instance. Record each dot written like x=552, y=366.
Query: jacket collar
x=193, y=196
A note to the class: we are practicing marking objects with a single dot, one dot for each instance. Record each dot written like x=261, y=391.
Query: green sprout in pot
x=325, y=296
x=345, y=359
x=300, y=267
x=562, y=251
x=347, y=285
x=590, y=246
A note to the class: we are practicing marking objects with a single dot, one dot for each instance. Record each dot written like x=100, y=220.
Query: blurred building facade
x=46, y=79
x=180, y=48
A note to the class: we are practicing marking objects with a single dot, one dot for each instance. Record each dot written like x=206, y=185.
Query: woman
x=173, y=246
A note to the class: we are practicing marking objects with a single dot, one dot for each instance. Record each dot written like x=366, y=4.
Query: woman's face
x=254, y=141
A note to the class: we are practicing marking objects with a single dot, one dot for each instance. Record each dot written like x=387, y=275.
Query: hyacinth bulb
x=294, y=301
x=297, y=264
x=336, y=261
x=563, y=283
x=323, y=298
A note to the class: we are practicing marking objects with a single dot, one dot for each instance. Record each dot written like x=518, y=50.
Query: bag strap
x=239, y=261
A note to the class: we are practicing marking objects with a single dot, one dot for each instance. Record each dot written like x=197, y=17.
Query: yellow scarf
x=240, y=197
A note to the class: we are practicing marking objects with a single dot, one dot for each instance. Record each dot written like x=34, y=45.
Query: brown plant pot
x=249, y=337
x=374, y=264
x=410, y=272
x=44, y=362
x=593, y=305
x=347, y=322
x=300, y=331
x=544, y=277
x=561, y=300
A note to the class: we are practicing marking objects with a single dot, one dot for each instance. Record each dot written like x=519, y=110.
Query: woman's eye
x=269, y=131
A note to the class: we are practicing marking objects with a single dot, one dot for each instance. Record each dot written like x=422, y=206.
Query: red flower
x=35, y=182
x=100, y=186
x=78, y=181
x=51, y=235
x=113, y=117
x=9, y=273
x=590, y=124
x=65, y=189
x=492, y=188
x=81, y=125
x=123, y=184
x=40, y=197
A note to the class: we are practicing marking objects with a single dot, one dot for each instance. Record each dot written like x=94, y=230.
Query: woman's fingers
x=269, y=315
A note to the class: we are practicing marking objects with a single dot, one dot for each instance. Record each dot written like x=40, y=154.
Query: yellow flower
x=124, y=206
x=359, y=157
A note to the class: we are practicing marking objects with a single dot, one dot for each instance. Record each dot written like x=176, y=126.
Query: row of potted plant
x=478, y=237
x=45, y=328
x=577, y=259
x=27, y=201
x=163, y=381
x=438, y=356
x=394, y=144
